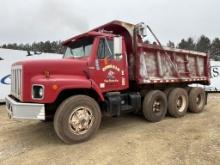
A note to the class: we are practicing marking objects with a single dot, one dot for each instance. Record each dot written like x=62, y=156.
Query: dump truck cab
x=105, y=54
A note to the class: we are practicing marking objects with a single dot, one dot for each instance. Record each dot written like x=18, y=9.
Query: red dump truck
x=109, y=71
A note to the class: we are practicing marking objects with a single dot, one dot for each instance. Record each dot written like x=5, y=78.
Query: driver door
x=109, y=73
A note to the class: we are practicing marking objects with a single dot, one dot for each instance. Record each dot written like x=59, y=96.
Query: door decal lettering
x=114, y=67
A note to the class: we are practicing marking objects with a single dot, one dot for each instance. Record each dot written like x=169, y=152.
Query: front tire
x=155, y=106
x=77, y=119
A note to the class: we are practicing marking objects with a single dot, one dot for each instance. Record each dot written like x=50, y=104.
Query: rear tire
x=178, y=102
x=197, y=99
x=155, y=106
x=77, y=119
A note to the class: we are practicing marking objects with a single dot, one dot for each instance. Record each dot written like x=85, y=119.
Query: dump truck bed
x=169, y=65
x=151, y=63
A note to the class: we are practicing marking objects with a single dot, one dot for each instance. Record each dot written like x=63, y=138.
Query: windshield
x=79, y=48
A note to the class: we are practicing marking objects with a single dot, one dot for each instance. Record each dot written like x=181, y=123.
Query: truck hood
x=54, y=67
x=34, y=70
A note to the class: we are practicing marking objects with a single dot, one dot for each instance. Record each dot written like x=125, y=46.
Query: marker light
x=46, y=74
x=55, y=87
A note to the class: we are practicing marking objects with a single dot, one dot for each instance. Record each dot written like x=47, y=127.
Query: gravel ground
x=191, y=140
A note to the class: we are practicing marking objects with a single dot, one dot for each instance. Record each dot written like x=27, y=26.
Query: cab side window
x=105, y=49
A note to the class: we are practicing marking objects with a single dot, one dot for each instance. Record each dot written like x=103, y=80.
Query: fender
x=96, y=88
x=63, y=82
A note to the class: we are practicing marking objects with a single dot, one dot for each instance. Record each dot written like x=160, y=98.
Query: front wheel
x=77, y=119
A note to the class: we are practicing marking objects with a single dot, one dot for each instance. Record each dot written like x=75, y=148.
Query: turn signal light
x=55, y=87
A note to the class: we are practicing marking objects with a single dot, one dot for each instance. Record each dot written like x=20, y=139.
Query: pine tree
x=187, y=44
x=203, y=44
x=215, y=49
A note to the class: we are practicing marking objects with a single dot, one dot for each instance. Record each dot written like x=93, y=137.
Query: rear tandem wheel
x=178, y=102
x=197, y=100
x=155, y=105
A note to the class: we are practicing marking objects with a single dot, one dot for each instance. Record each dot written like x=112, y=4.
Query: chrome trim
x=33, y=90
x=31, y=111
x=16, y=81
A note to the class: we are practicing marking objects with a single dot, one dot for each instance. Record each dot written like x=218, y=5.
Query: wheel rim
x=199, y=100
x=157, y=108
x=181, y=103
x=81, y=120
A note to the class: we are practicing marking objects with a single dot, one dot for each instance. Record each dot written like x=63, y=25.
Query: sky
x=27, y=21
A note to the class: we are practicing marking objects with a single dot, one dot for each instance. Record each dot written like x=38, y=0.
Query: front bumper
x=17, y=110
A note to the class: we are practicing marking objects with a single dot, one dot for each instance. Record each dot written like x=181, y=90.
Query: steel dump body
x=168, y=65
x=151, y=63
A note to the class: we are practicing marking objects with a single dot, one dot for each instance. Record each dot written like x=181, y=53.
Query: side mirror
x=117, y=46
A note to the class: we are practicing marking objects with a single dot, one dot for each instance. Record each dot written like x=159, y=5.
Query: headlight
x=37, y=91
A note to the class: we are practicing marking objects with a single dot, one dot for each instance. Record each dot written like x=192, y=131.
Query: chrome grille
x=16, y=81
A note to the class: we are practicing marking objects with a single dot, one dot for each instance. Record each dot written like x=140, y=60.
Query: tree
x=191, y=44
x=215, y=49
x=47, y=47
x=27, y=47
x=35, y=47
x=187, y=44
x=216, y=43
x=182, y=44
x=54, y=45
x=203, y=44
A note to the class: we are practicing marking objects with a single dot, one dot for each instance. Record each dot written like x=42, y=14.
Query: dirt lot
x=193, y=139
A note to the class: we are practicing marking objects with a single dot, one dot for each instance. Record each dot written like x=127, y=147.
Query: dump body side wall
x=156, y=65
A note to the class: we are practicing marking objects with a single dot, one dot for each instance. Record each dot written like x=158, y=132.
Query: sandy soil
x=191, y=140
